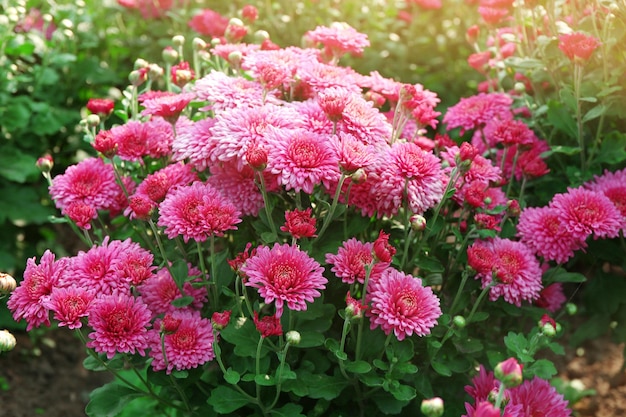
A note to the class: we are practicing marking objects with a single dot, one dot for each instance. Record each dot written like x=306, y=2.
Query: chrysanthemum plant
x=272, y=233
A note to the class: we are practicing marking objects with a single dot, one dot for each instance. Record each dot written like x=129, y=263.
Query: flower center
x=184, y=339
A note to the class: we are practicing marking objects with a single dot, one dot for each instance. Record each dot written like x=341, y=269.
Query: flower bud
x=459, y=322
x=138, y=77
x=155, y=72
x=432, y=407
x=198, y=44
x=261, y=35
x=293, y=337
x=170, y=324
x=509, y=372
x=7, y=341
x=519, y=87
x=418, y=222
x=249, y=13
x=472, y=34
x=359, y=176
x=220, y=320
x=45, y=163
x=548, y=330
x=169, y=55
x=571, y=308
x=178, y=40
x=7, y=283
x=140, y=63
x=235, y=58
x=93, y=120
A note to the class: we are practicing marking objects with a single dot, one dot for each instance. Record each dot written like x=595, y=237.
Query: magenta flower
x=223, y=92
x=351, y=152
x=299, y=223
x=586, y=212
x=351, y=259
x=476, y=111
x=120, y=324
x=197, y=211
x=400, y=303
x=209, y=22
x=156, y=185
x=268, y=325
x=538, y=398
x=168, y=106
x=239, y=186
x=301, y=160
x=285, y=275
x=28, y=301
x=551, y=297
x=612, y=185
x=188, y=346
x=160, y=290
x=195, y=144
x=69, y=305
x=578, y=46
x=516, y=270
x=80, y=213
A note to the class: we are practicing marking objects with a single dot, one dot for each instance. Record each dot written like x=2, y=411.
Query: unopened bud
x=198, y=44
x=93, y=120
x=418, y=222
x=519, y=87
x=432, y=407
x=459, y=322
x=7, y=283
x=155, y=72
x=45, y=163
x=178, y=40
x=571, y=308
x=137, y=77
x=169, y=55
x=235, y=58
x=509, y=372
x=141, y=63
x=235, y=21
x=548, y=330
x=359, y=176
x=293, y=337
x=261, y=35
x=7, y=341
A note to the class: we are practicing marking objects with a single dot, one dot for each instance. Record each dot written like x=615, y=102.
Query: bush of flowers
x=270, y=232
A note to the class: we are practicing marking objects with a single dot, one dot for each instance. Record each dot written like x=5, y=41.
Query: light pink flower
x=222, y=92
x=338, y=39
x=301, y=160
x=197, y=211
x=578, y=46
x=586, y=212
x=239, y=185
x=209, y=22
x=400, y=303
x=317, y=76
x=612, y=185
x=28, y=300
x=195, y=143
x=351, y=152
x=160, y=290
x=120, y=324
x=516, y=270
x=351, y=259
x=476, y=111
x=156, y=185
x=285, y=275
x=188, y=347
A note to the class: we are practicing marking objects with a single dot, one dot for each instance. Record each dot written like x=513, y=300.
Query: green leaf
x=92, y=364
x=225, y=400
x=594, y=113
x=265, y=380
x=430, y=264
x=402, y=392
x=441, y=368
x=518, y=344
x=358, y=367
x=110, y=400
x=561, y=118
x=17, y=166
x=182, y=301
x=566, y=150
x=612, y=149
x=179, y=271
x=543, y=368
x=387, y=403
x=561, y=275
x=245, y=338
x=326, y=387
x=16, y=116
x=288, y=410
x=231, y=376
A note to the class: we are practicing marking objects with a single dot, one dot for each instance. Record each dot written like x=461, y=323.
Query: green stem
x=268, y=212
x=368, y=271
x=457, y=297
x=578, y=77
x=342, y=345
x=258, y=367
x=283, y=358
x=181, y=393
x=478, y=301
x=331, y=212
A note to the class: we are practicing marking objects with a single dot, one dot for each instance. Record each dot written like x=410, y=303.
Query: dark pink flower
x=197, y=211
x=69, y=305
x=80, y=213
x=551, y=297
x=612, y=185
x=160, y=290
x=400, y=303
x=240, y=186
x=220, y=320
x=538, y=398
x=268, y=325
x=187, y=347
x=351, y=260
x=168, y=106
x=476, y=111
x=156, y=185
x=299, y=223
x=585, y=212
x=120, y=324
x=578, y=46
x=285, y=275
x=383, y=250
x=101, y=106
x=28, y=300
x=140, y=207
x=209, y=22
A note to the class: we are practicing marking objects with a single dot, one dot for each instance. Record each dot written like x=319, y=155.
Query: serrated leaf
x=225, y=400
x=288, y=410
x=110, y=400
x=17, y=166
x=561, y=275
x=542, y=368
x=326, y=387
x=402, y=392
x=179, y=271
x=594, y=113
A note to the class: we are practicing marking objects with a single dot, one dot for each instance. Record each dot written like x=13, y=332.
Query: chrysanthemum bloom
x=150, y=9
x=221, y=319
x=135, y=264
x=338, y=40
x=277, y=68
x=195, y=144
x=105, y=143
x=538, y=398
x=551, y=297
x=189, y=346
x=285, y=275
x=383, y=250
x=354, y=308
x=427, y=4
x=268, y=325
x=197, y=211
x=476, y=111
x=299, y=223
x=168, y=106
x=120, y=323
x=509, y=132
x=101, y=106
x=578, y=46
x=365, y=122
x=400, y=303
x=480, y=61
x=333, y=100
x=314, y=119
x=586, y=212
x=156, y=185
x=69, y=305
x=160, y=290
x=301, y=159
x=80, y=213
x=542, y=229
x=316, y=77
x=27, y=301
x=516, y=271
x=484, y=385
x=237, y=129
x=493, y=15
x=209, y=22
x=91, y=182
x=351, y=152
x=131, y=140
x=240, y=187
x=140, y=207
x=352, y=257
x=612, y=185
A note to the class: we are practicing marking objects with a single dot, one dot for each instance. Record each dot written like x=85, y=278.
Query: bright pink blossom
x=69, y=305
x=578, y=46
x=351, y=260
x=473, y=112
x=209, y=22
x=338, y=39
x=299, y=223
x=268, y=325
x=160, y=290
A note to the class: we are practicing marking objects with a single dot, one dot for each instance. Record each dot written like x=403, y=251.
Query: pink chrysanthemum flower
x=268, y=325
x=480, y=169
x=131, y=139
x=400, y=303
x=225, y=49
x=120, y=323
x=209, y=22
x=351, y=152
x=80, y=213
x=189, y=346
x=285, y=275
x=351, y=259
x=237, y=129
x=538, y=398
x=543, y=231
x=314, y=118
x=28, y=300
x=551, y=297
x=476, y=111
x=239, y=186
x=223, y=92
x=361, y=119
x=195, y=143
x=277, y=68
x=156, y=185
x=338, y=39
x=578, y=46
x=168, y=106
x=483, y=387
x=301, y=159
x=319, y=76
x=516, y=270
x=69, y=305
x=586, y=212
x=197, y=211
x=612, y=185
x=91, y=182
x=160, y=290
x=299, y=223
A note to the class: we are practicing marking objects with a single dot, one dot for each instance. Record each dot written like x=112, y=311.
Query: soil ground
x=47, y=379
